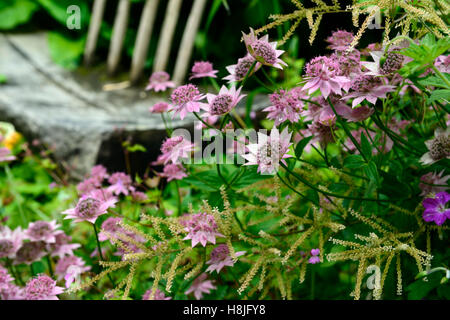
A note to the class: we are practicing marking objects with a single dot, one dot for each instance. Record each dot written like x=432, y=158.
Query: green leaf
x=354, y=161
x=372, y=173
x=3, y=79
x=15, y=12
x=366, y=147
x=250, y=177
x=438, y=95
x=301, y=146
x=435, y=81
x=64, y=51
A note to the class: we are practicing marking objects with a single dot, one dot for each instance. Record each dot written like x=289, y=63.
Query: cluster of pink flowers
x=41, y=238
x=201, y=228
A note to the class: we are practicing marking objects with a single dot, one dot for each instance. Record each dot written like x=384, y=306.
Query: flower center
x=219, y=253
x=184, y=94
x=40, y=229
x=242, y=67
x=440, y=147
x=88, y=208
x=264, y=50
x=366, y=83
x=392, y=63
x=269, y=153
x=5, y=247
x=221, y=104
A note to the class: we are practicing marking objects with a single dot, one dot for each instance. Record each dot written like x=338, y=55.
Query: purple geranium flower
x=436, y=209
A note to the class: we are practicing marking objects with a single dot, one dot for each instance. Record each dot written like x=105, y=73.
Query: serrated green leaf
x=354, y=161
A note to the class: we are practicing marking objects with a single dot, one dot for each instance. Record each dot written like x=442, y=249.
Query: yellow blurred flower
x=11, y=140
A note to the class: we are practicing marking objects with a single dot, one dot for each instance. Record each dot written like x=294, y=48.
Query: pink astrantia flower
x=370, y=88
x=220, y=257
x=30, y=252
x=186, y=99
x=200, y=286
x=269, y=151
x=5, y=277
x=262, y=50
x=323, y=73
x=42, y=287
x=340, y=40
x=384, y=64
x=314, y=256
x=439, y=147
x=175, y=150
x=62, y=246
x=90, y=207
x=159, y=295
x=239, y=70
x=10, y=241
x=442, y=63
x=437, y=208
x=286, y=105
x=223, y=102
x=360, y=113
x=94, y=181
x=160, y=107
x=5, y=155
x=120, y=183
x=203, y=69
x=173, y=172
x=160, y=81
x=70, y=268
x=43, y=231
x=433, y=182
x=201, y=228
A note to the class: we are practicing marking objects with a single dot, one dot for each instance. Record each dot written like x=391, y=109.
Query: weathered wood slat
x=94, y=30
x=143, y=39
x=118, y=35
x=187, y=42
x=168, y=29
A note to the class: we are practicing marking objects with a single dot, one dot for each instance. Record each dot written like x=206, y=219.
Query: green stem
x=99, y=248
x=50, y=268
x=248, y=73
x=178, y=198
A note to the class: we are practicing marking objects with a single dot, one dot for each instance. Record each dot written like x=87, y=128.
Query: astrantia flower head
x=62, y=246
x=120, y=183
x=69, y=268
x=175, y=150
x=442, y=63
x=220, y=257
x=42, y=287
x=223, y=102
x=286, y=105
x=160, y=81
x=173, y=172
x=370, y=88
x=323, y=73
x=201, y=228
x=437, y=209
x=203, y=69
x=239, y=71
x=433, y=182
x=186, y=99
x=262, y=50
x=10, y=241
x=30, y=252
x=90, y=207
x=43, y=231
x=269, y=151
x=5, y=277
x=438, y=147
x=340, y=40
x=384, y=64
x=159, y=295
x=160, y=107
x=200, y=285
